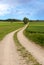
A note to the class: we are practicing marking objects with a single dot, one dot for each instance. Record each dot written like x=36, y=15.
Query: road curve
x=31, y=47
x=8, y=52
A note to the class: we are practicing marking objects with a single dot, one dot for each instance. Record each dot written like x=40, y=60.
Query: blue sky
x=32, y=9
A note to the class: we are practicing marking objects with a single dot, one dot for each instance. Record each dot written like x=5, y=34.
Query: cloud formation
x=4, y=9
x=33, y=9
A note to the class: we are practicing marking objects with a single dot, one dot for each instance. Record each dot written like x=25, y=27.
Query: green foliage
x=25, y=20
x=35, y=32
x=10, y=20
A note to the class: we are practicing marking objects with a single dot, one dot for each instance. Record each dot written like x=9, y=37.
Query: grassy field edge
x=7, y=27
x=34, y=36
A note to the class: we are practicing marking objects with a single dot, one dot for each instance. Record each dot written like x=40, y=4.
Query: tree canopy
x=25, y=20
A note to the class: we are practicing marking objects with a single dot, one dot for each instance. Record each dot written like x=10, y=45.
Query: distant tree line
x=11, y=20
x=25, y=20
x=36, y=20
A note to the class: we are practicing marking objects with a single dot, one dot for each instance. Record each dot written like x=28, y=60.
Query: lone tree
x=25, y=20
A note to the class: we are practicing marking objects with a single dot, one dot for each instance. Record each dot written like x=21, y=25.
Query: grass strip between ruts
x=30, y=60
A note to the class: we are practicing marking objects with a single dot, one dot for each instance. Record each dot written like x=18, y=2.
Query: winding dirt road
x=31, y=47
x=8, y=52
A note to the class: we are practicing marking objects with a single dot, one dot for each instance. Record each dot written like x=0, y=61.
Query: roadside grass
x=36, y=23
x=7, y=27
x=35, y=32
x=30, y=60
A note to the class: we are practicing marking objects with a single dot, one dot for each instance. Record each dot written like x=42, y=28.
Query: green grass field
x=35, y=32
x=6, y=27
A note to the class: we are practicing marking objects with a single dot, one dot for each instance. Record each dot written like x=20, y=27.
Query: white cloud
x=4, y=9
